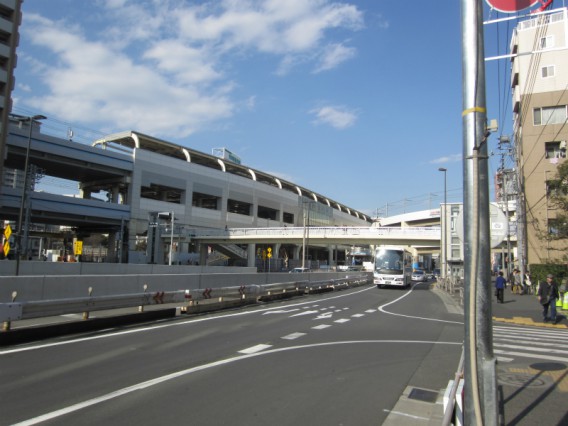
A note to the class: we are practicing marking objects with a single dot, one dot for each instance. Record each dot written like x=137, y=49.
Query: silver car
x=418, y=275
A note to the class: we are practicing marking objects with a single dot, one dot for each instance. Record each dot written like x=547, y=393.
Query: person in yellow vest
x=547, y=295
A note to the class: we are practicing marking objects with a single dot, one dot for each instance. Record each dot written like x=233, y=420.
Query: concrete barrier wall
x=34, y=268
x=47, y=287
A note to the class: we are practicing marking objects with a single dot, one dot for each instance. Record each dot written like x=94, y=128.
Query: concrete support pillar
x=114, y=194
x=251, y=255
x=330, y=255
x=112, y=253
x=296, y=253
x=203, y=251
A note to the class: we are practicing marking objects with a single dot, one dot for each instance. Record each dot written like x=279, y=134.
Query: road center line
x=172, y=376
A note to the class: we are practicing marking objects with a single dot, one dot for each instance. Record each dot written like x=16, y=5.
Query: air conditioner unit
x=563, y=145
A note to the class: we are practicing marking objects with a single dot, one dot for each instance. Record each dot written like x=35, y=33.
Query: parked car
x=299, y=270
x=418, y=275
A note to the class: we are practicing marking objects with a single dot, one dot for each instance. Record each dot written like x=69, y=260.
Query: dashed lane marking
x=254, y=349
x=304, y=313
x=293, y=336
x=321, y=326
x=342, y=320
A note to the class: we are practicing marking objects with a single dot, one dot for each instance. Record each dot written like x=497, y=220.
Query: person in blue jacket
x=500, y=283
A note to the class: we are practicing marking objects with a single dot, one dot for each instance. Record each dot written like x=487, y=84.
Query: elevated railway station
x=159, y=202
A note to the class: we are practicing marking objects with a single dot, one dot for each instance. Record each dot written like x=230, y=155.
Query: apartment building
x=10, y=18
x=539, y=81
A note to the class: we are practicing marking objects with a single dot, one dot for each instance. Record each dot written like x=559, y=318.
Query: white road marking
x=342, y=320
x=281, y=311
x=321, y=326
x=382, y=309
x=535, y=356
x=304, y=313
x=254, y=349
x=190, y=321
x=293, y=336
x=370, y=311
x=149, y=383
x=505, y=359
x=398, y=413
x=357, y=315
x=327, y=315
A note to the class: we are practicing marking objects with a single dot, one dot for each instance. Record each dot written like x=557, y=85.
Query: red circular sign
x=511, y=6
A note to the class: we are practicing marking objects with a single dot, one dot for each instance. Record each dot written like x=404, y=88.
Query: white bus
x=393, y=266
x=358, y=259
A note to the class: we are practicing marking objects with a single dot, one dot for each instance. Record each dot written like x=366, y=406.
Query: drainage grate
x=423, y=395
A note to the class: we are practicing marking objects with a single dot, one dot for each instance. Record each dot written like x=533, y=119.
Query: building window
x=549, y=115
x=162, y=193
x=205, y=201
x=288, y=218
x=554, y=188
x=239, y=207
x=547, y=42
x=267, y=213
x=557, y=228
x=554, y=150
x=547, y=71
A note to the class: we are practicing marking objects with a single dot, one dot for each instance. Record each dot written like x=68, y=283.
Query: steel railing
x=15, y=311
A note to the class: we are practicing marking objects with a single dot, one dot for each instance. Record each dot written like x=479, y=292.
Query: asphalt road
x=340, y=358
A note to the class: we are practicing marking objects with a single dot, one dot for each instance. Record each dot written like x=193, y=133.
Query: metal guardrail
x=16, y=311
x=450, y=413
x=452, y=285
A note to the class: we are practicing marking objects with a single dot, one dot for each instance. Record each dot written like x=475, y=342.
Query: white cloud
x=165, y=68
x=453, y=158
x=337, y=117
x=333, y=55
x=91, y=80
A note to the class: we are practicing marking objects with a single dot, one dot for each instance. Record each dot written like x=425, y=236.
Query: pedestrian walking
x=547, y=295
x=500, y=283
x=517, y=286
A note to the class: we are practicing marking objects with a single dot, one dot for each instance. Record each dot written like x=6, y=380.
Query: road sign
x=511, y=6
x=6, y=248
x=497, y=223
x=78, y=247
x=7, y=232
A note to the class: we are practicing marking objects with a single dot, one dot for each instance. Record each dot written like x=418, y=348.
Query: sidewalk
x=530, y=391
x=524, y=310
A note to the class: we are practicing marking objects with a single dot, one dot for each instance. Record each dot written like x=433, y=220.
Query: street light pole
x=169, y=215
x=171, y=238
x=445, y=228
x=23, y=198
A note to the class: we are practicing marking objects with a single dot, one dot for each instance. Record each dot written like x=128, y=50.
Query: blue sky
x=358, y=100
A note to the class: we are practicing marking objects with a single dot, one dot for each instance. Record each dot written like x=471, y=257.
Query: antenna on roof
x=70, y=134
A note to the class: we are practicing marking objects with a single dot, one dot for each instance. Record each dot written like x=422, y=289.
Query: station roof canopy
x=127, y=141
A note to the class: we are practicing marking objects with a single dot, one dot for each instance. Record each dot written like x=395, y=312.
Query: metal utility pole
x=480, y=374
x=505, y=193
x=444, y=226
x=23, y=243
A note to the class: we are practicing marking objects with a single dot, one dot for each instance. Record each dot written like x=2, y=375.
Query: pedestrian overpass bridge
x=418, y=237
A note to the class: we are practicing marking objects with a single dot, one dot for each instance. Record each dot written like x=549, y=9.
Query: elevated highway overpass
x=408, y=236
